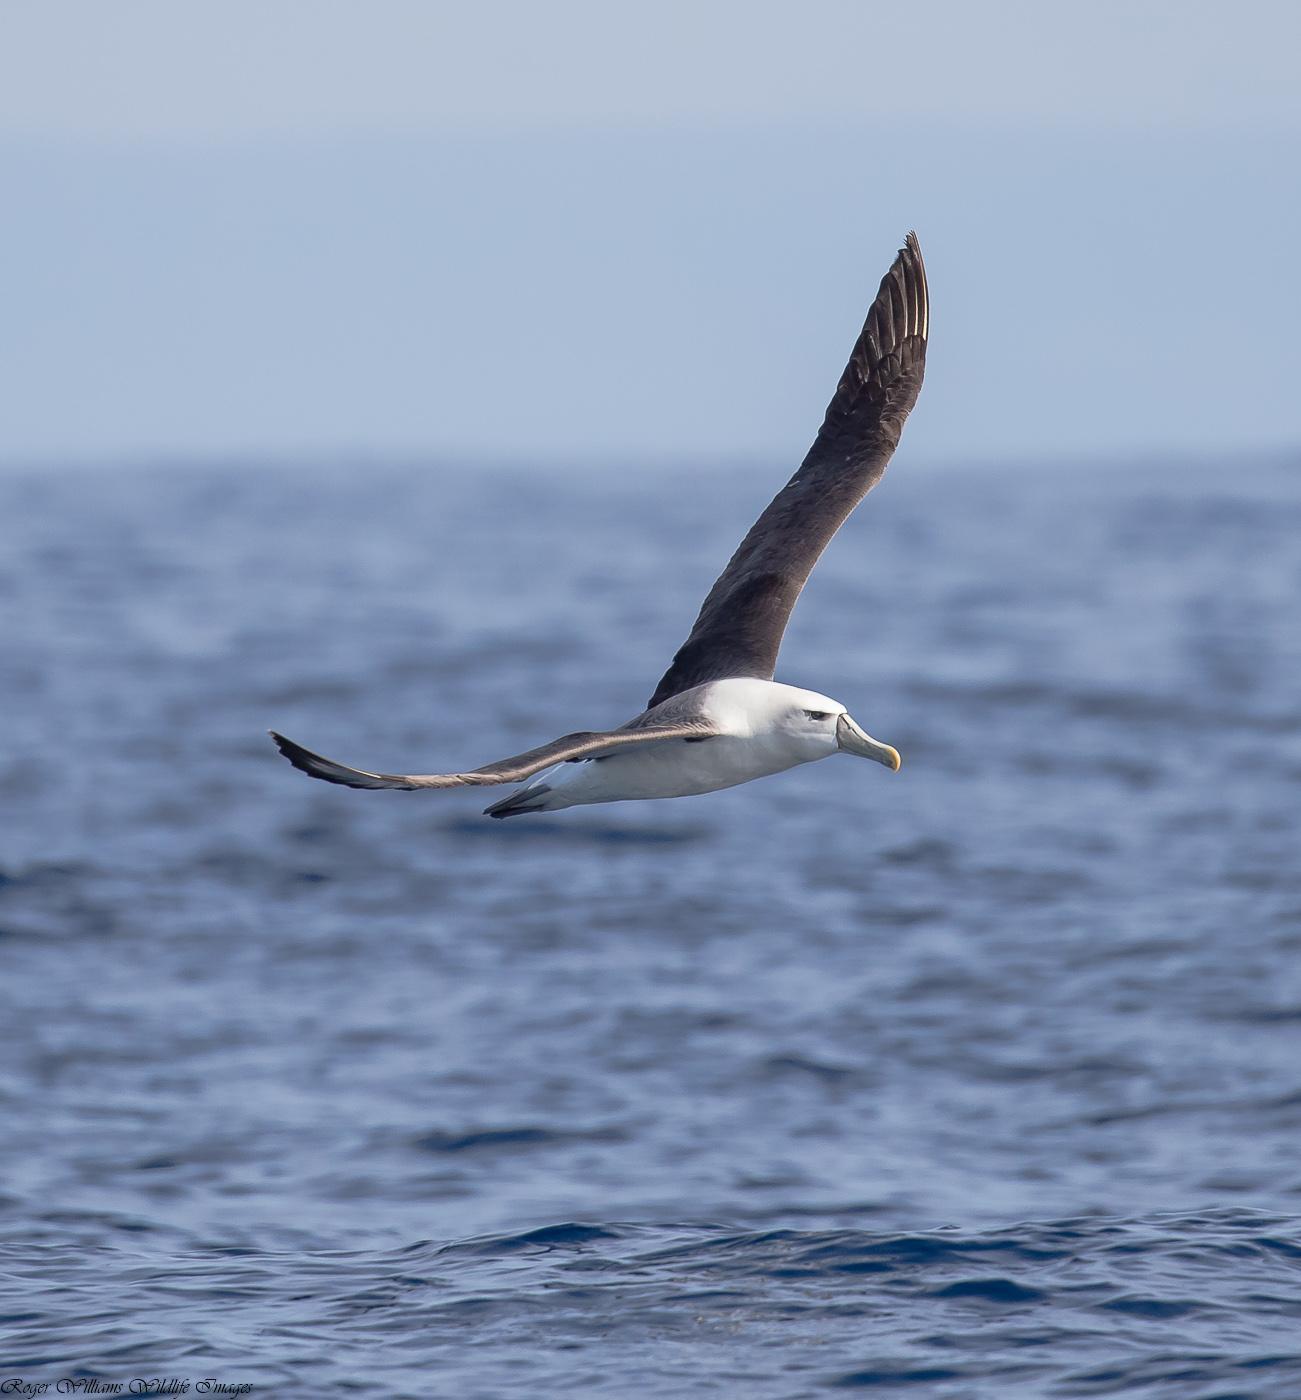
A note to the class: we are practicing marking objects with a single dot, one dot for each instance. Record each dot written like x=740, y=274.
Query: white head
x=814, y=725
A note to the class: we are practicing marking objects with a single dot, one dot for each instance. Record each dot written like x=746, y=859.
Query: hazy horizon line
x=475, y=460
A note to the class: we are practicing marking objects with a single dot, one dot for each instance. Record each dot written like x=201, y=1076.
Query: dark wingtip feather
x=303, y=759
x=326, y=769
x=892, y=343
x=295, y=753
x=914, y=266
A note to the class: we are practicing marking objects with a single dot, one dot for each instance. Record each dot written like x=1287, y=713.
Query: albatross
x=717, y=717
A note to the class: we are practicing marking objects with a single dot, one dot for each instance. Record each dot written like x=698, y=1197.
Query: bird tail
x=522, y=801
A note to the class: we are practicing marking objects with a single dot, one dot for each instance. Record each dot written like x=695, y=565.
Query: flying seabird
x=717, y=717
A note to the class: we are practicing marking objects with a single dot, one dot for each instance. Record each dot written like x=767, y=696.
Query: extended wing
x=740, y=626
x=506, y=770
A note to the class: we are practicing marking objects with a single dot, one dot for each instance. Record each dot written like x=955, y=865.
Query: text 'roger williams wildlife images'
x=137, y=1385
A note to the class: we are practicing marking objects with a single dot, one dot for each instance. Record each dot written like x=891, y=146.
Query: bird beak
x=851, y=739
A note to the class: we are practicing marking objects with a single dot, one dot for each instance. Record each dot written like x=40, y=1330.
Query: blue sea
x=978, y=1080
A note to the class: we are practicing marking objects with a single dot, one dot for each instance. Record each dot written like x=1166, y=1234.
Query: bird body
x=717, y=717
x=760, y=728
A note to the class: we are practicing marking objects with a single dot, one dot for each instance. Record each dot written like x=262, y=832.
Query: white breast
x=675, y=769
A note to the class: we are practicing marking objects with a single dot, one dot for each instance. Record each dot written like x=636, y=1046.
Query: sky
x=583, y=230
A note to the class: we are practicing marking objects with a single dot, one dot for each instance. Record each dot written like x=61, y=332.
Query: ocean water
x=978, y=1080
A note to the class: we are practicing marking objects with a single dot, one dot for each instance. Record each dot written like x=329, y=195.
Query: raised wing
x=740, y=626
x=507, y=770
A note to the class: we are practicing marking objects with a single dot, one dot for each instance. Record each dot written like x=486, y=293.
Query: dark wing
x=740, y=626
x=508, y=770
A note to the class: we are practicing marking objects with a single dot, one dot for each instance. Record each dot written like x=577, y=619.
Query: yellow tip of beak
x=895, y=762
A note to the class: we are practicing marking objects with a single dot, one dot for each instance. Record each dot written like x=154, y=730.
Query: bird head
x=827, y=727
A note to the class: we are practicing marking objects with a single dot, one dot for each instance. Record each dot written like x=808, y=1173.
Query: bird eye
x=818, y=714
